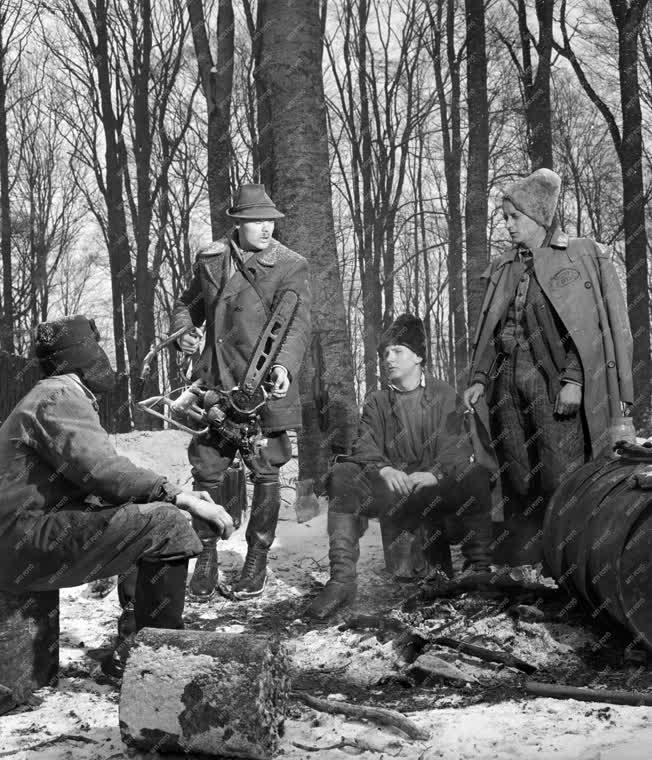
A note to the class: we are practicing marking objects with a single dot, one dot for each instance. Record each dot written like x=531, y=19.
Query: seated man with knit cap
x=412, y=463
x=72, y=510
x=552, y=358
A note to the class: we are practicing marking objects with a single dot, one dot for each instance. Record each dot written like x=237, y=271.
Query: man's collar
x=76, y=379
x=422, y=384
x=267, y=256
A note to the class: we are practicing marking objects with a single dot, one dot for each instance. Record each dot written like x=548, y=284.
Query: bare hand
x=568, y=400
x=280, y=382
x=189, y=342
x=200, y=504
x=396, y=480
x=472, y=394
x=422, y=480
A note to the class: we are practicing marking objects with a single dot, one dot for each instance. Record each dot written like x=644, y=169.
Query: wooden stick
x=48, y=742
x=560, y=691
x=489, y=655
x=364, y=712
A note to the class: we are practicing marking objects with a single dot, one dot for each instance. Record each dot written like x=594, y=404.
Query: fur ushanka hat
x=536, y=196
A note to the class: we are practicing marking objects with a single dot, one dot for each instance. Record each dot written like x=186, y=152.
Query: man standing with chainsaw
x=235, y=285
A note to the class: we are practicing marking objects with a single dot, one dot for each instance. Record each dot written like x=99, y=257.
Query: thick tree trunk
x=631, y=152
x=214, y=694
x=476, y=213
x=452, y=139
x=538, y=108
x=301, y=188
x=122, y=279
x=217, y=85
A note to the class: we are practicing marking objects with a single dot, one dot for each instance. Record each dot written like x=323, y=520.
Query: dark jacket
x=55, y=453
x=447, y=449
x=235, y=317
x=581, y=283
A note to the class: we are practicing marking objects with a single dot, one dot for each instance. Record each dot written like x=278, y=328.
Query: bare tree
x=128, y=83
x=217, y=85
x=627, y=15
x=15, y=24
x=477, y=177
x=290, y=71
x=373, y=60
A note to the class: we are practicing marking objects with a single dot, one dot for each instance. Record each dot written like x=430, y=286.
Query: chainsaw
x=231, y=415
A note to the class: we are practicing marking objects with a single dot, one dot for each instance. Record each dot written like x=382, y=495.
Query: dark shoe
x=127, y=621
x=254, y=573
x=206, y=574
x=333, y=596
x=113, y=665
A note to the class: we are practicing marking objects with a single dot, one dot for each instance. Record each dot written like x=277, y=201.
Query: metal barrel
x=597, y=538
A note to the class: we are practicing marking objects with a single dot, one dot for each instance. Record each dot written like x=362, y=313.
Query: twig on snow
x=48, y=742
x=378, y=714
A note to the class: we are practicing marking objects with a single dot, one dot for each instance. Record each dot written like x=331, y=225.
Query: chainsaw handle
x=157, y=347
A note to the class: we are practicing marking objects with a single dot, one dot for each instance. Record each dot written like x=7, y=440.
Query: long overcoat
x=581, y=283
x=235, y=316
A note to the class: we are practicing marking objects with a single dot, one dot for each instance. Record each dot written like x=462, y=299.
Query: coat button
x=588, y=285
x=611, y=364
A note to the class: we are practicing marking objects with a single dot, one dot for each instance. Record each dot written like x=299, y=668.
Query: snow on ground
x=83, y=715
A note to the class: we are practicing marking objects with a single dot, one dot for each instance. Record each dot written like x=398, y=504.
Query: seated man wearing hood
x=72, y=510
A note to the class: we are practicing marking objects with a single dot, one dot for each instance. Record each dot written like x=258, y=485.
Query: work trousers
x=537, y=448
x=457, y=508
x=210, y=458
x=72, y=546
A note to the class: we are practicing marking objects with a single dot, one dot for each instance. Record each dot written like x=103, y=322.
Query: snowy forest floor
x=485, y=714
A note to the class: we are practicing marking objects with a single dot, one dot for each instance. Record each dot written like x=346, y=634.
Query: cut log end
x=219, y=694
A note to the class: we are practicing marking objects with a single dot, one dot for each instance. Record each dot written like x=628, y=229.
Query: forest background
x=384, y=129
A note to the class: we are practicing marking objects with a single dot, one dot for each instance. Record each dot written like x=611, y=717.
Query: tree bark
x=214, y=694
x=629, y=148
x=476, y=212
x=452, y=140
x=536, y=87
x=6, y=314
x=289, y=71
x=628, y=21
x=217, y=86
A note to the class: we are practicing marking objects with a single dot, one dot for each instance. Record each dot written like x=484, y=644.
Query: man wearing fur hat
x=234, y=286
x=552, y=357
x=72, y=510
x=412, y=463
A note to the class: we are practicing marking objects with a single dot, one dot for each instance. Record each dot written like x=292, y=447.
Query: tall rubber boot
x=160, y=594
x=343, y=554
x=159, y=597
x=206, y=573
x=265, y=506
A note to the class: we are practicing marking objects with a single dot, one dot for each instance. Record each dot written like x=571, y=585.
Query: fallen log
x=488, y=655
x=363, y=712
x=216, y=694
x=615, y=697
x=29, y=642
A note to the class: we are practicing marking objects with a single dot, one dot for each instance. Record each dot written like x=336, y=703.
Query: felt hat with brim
x=252, y=202
x=536, y=196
